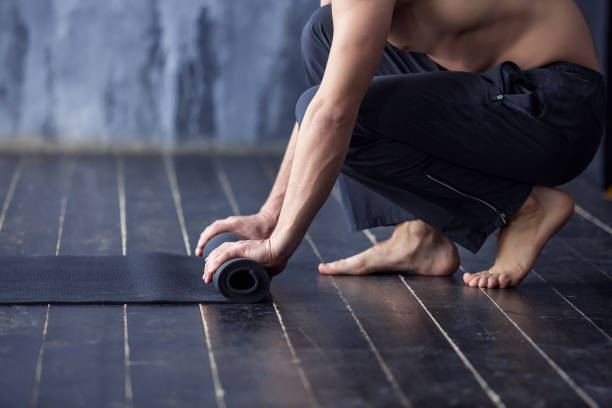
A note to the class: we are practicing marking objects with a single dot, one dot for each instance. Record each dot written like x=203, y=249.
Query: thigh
x=469, y=120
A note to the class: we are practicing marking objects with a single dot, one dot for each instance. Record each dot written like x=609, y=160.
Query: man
x=446, y=118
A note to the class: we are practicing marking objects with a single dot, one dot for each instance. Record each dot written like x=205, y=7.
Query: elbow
x=329, y=118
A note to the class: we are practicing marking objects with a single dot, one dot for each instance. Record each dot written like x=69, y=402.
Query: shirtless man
x=503, y=97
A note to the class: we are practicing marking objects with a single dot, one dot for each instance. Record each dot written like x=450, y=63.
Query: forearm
x=273, y=203
x=319, y=153
x=360, y=30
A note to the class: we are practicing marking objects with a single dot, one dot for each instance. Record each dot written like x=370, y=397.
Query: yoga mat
x=241, y=280
x=135, y=278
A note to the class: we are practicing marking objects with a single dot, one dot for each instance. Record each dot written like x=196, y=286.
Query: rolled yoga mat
x=134, y=278
x=241, y=279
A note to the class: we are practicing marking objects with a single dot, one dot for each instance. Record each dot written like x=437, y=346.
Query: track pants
x=458, y=150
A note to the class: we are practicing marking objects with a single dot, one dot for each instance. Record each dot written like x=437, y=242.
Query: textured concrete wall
x=159, y=71
x=150, y=70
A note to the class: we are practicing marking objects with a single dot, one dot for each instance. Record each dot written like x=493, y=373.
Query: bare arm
x=272, y=206
x=360, y=31
x=320, y=146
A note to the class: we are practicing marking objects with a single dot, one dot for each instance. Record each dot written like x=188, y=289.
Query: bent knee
x=317, y=33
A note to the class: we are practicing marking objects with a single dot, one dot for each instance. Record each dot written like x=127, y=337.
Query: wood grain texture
x=261, y=359
x=169, y=362
x=482, y=333
x=578, y=349
x=83, y=363
x=346, y=341
x=29, y=228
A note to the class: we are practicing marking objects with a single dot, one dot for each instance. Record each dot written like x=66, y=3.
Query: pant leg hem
x=477, y=236
x=380, y=221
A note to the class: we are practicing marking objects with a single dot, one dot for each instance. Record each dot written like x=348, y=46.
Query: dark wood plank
x=336, y=358
x=31, y=223
x=169, y=363
x=561, y=332
x=30, y=228
x=83, y=363
x=579, y=281
x=584, y=239
x=247, y=364
x=475, y=325
x=590, y=198
x=92, y=224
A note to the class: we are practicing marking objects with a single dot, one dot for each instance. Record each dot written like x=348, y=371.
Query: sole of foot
x=413, y=247
x=520, y=242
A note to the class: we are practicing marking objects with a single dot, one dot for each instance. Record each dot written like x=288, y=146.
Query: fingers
x=213, y=229
x=224, y=252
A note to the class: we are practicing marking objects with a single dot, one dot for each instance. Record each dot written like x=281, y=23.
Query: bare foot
x=519, y=243
x=414, y=246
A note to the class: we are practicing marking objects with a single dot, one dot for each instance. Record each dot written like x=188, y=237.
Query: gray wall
x=596, y=14
x=151, y=71
x=161, y=71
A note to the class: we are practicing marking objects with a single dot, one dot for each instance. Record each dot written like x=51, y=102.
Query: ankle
x=530, y=206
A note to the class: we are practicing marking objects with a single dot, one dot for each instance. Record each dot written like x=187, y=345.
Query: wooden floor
x=393, y=340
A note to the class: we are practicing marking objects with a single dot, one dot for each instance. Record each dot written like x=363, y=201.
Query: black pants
x=458, y=150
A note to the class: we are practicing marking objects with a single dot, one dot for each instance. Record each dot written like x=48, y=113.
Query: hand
x=259, y=250
x=256, y=226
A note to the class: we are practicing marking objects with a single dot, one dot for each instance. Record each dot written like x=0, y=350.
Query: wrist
x=270, y=211
x=281, y=248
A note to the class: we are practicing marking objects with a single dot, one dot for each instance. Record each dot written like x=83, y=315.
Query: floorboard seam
x=121, y=198
x=226, y=186
x=128, y=391
x=584, y=316
x=592, y=219
x=381, y=362
x=129, y=394
x=219, y=392
x=493, y=396
x=176, y=196
x=63, y=206
x=39, y=361
x=11, y=191
x=581, y=393
x=303, y=378
x=231, y=198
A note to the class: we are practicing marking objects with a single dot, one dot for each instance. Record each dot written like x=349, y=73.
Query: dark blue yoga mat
x=135, y=278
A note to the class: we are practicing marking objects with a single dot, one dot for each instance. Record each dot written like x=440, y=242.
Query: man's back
x=478, y=34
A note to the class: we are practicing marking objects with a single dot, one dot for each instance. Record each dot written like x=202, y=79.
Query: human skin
x=462, y=36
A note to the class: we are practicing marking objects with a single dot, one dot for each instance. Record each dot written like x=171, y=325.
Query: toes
x=504, y=281
x=492, y=282
x=467, y=277
x=474, y=282
x=348, y=266
x=331, y=268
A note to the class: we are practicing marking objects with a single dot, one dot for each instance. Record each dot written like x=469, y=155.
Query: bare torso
x=475, y=35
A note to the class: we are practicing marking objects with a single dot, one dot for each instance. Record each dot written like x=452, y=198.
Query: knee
x=303, y=102
x=318, y=27
x=316, y=40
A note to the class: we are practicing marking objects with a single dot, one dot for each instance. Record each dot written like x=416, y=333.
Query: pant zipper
x=501, y=214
